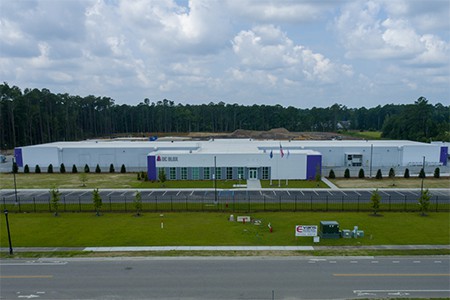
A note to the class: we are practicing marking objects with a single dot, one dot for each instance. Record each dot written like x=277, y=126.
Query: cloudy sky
x=293, y=53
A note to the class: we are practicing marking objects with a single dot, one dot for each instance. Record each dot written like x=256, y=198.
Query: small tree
x=138, y=203
x=50, y=169
x=123, y=169
x=376, y=200
x=361, y=173
x=162, y=176
x=424, y=202
x=422, y=173
x=97, y=200
x=379, y=175
x=111, y=168
x=97, y=169
x=331, y=175
x=86, y=168
x=406, y=175
x=15, y=168
x=83, y=179
x=26, y=169
x=437, y=173
x=62, y=168
x=37, y=169
x=55, y=197
x=139, y=176
x=347, y=173
x=74, y=169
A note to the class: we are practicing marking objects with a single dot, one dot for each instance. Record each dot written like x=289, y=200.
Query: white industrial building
x=233, y=158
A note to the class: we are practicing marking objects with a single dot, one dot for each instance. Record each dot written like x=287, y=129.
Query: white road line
x=437, y=262
x=150, y=193
x=333, y=261
x=343, y=193
x=399, y=193
x=274, y=193
x=374, y=261
x=357, y=193
x=316, y=193
x=178, y=193
x=192, y=193
x=164, y=193
x=302, y=193
x=395, y=262
x=288, y=193
x=416, y=262
x=353, y=261
x=330, y=193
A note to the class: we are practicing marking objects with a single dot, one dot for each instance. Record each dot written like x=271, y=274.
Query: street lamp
x=14, y=168
x=9, y=235
x=215, y=180
x=423, y=168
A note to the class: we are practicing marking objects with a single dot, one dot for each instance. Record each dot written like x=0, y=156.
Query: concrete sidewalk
x=224, y=248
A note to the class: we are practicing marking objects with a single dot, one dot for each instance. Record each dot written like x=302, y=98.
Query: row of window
x=195, y=171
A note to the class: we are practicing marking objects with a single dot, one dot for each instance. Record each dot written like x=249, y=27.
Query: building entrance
x=253, y=173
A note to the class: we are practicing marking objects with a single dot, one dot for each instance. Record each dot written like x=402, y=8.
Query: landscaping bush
x=123, y=169
x=50, y=169
x=331, y=175
x=437, y=173
x=74, y=169
x=379, y=175
x=347, y=173
x=86, y=168
x=111, y=168
x=422, y=173
x=97, y=169
x=26, y=169
x=361, y=173
x=37, y=169
x=406, y=175
x=391, y=173
x=62, y=168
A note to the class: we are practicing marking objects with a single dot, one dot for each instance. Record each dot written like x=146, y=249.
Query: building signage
x=167, y=158
x=306, y=230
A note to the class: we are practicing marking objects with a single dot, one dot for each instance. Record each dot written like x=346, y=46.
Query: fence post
x=358, y=204
x=156, y=203
x=342, y=206
x=264, y=202
x=125, y=197
x=49, y=205
x=34, y=203
x=79, y=203
x=326, y=207
x=405, y=204
x=110, y=204
x=437, y=197
x=295, y=203
x=248, y=199
x=20, y=208
x=186, y=199
x=280, y=202
x=4, y=203
x=64, y=200
x=310, y=204
x=390, y=202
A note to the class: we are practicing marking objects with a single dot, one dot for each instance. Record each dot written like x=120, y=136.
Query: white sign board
x=306, y=230
x=243, y=219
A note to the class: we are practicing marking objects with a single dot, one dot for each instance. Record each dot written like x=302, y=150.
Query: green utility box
x=346, y=234
x=329, y=230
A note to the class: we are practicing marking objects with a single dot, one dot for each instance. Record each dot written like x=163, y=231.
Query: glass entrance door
x=253, y=173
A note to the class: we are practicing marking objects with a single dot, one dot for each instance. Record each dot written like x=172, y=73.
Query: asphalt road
x=226, y=278
x=393, y=196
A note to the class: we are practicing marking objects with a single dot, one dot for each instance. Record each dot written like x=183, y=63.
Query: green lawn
x=115, y=229
x=370, y=135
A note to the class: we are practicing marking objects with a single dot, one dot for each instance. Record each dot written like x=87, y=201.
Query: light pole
x=14, y=168
x=423, y=168
x=215, y=180
x=9, y=235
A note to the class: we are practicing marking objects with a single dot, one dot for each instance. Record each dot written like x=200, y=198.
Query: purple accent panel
x=313, y=164
x=151, y=168
x=18, y=156
x=444, y=155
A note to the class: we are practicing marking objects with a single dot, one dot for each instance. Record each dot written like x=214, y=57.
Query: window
x=240, y=173
x=172, y=173
x=229, y=173
x=184, y=173
x=265, y=173
x=206, y=173
x=195, y=174
x=218, y=173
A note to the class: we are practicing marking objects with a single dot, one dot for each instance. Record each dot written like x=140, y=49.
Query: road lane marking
x=392, y=275
x=375, y=261
x=25, y=276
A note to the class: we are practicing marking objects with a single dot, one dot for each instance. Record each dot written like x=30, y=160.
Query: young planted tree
x=361, y=173
x=97, y=169
x=406, y=175
x=50, y=169
x=424, y=202
x=97, y=201
x=347, y=173
x=437, y=173
x=26, y=169
x=55, y=196
x=86, y=168
x=111, y=168
x=83, y=179
x=379, y=175
x=138, y=203
x=123, y=169
x=331, y=175
x=74, y=169
x=375, y=200
x=162, y=176
x=62, y=168
x=37, y=169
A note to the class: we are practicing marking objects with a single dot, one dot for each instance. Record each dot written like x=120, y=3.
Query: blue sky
x=292, y=53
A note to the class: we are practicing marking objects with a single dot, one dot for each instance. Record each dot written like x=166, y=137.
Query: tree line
x=34, y=116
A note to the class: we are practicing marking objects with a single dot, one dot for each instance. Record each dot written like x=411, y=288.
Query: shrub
x=62, y=168
x=86, y=168
x=138, y=176
x=437, y=173
x=37, y=169
x=379, y=175
x=391, y=173
x=424, y=202
x=26, y=169
x=123, y=169
x=111, y=168
x=331, y=175
x=361, y=173
x=50, y=168
x=74, y=169
x=406, y=175
x=347, y=173
x=97, y=201
x=97, y=169
x=422, y=173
